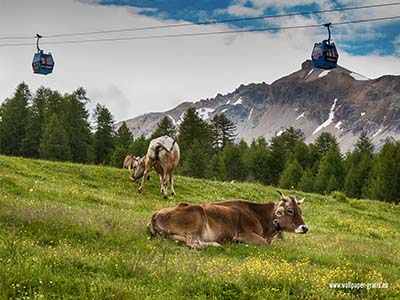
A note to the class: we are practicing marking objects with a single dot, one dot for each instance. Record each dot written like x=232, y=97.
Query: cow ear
x=280, y=211
x=301, y=201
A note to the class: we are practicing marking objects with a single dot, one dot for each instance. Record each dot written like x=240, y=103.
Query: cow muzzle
x=301, y=229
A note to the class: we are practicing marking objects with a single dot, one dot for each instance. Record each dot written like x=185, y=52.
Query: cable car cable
x=203, y=33
x=208, y=22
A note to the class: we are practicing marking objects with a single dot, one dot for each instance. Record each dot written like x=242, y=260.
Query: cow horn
x=280, y=193
x=300, y=201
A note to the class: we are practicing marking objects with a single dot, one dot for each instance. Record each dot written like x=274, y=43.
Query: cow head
x=288, y=215
x=138, y=167
x=128, y=161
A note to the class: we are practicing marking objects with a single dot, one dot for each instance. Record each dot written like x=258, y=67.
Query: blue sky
x=381, y=38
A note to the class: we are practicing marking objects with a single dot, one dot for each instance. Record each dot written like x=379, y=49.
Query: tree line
x=48, y=125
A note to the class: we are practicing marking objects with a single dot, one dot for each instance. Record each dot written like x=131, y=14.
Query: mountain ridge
x=338, y=101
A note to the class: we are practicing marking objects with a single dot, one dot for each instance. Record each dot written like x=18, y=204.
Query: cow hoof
x=165, y=197
x=140, y=190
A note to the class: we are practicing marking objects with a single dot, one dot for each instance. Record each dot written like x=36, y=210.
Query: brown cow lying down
x=201, y=225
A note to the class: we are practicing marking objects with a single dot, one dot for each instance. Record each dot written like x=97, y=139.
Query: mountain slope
x=71, y=231
x=338, y=101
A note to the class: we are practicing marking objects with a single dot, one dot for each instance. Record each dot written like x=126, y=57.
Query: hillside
x=338, y=101
x=73, y=231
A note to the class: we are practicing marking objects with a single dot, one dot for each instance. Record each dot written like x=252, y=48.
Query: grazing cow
x=201, y=225
x=128, y=161
x=163, y=155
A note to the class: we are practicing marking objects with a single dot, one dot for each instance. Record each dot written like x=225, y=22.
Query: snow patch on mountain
x=378, y=132
x=251, y=111
x=357, y=76
x=324, y=73
x=239, y=101
x=204, y=112
x=301, y=116
x=172, y=119
x=330, y=118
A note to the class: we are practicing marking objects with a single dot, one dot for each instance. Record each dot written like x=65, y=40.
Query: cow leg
x=145, y=174
x=171, y=182
x=199, y=244
x=206, y=244
x=165, y=184
x=253, y=238
x=161, y=184
x=178, y=238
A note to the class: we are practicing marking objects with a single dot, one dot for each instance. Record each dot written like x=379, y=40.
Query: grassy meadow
x=70, y=231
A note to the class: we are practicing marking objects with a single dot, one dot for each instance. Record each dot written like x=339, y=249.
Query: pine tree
x=196, y=162
x=77, y=126
x=364, y=144
x=330, y=175
x=280, y=150
x=232, y=164
x=257, y=160
x=302, y=153
x=139, y=146
x=13, y=119
x=191, y=128
x=124, y=137
x=385, y=176
x=54, y=143
x=223, y=131
x=118, y=156
x=35, y=123
x=359, y=165
x=326, y=142
x=164, y=127
x=104, y=134
x=306, y=183
x=291, y=175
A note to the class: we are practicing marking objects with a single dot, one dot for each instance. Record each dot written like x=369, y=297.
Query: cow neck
x=267, y=219
x=274, y=228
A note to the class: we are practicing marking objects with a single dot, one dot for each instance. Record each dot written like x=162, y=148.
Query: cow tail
x=173, y=144
x=159, y=147
x=157, y=151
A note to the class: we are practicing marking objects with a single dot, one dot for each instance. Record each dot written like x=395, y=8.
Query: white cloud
x=396, y=44
x=243, y=11
x=134, y=77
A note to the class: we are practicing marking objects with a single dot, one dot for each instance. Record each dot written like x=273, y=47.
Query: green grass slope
x=70, y=231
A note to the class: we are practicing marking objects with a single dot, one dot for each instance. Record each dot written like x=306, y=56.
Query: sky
x=131, y=77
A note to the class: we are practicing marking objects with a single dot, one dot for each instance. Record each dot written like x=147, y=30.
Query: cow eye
x=290, y=212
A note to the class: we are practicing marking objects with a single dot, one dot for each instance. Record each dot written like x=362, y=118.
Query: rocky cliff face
x=338, y=101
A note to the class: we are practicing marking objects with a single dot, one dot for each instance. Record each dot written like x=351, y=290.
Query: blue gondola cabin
x=42, y=63
x=325, y=55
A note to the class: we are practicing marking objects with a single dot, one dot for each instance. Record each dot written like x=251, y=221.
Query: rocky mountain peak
x=338, y=101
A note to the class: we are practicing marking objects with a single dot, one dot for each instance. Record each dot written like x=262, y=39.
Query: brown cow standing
x=201, y=225
x=163, y=155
